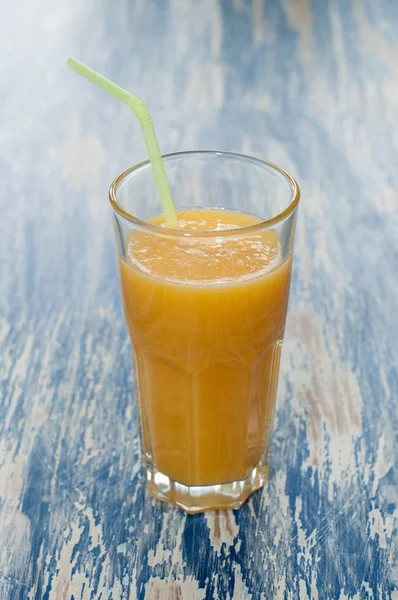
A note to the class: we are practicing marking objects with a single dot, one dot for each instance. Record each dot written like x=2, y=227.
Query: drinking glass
x=206, y=342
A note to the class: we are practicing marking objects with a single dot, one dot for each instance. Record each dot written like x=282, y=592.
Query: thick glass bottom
x=195, y=499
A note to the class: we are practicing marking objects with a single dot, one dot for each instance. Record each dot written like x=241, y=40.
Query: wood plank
x=310, y=85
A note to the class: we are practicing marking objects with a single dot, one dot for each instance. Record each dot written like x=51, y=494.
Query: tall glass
x=206, y=312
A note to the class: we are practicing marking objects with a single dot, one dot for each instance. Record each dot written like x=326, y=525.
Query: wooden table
x=309, y=85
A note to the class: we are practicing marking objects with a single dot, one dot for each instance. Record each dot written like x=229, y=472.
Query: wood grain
x=311, y=85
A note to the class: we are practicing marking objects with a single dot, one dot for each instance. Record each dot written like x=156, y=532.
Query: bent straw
x=144, y=118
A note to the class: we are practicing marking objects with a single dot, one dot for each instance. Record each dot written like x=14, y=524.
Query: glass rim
x=158, y=229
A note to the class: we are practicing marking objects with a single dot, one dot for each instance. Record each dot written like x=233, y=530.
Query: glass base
x=195, y=499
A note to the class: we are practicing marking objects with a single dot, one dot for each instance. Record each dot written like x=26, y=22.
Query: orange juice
x=206, y=317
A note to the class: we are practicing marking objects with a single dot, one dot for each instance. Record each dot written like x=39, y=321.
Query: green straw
x=143, y=116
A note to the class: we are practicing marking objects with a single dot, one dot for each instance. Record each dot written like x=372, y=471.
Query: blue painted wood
x=309, y=85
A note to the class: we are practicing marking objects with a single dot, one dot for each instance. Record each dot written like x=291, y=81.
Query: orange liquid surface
x=206, y=319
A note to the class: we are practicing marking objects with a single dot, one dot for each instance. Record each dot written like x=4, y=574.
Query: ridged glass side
x=198, y=452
